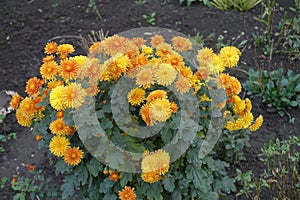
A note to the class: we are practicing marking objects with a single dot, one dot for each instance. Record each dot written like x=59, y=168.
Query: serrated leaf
x=61, y=167
x=154, y=192
x=106, y=185
x=199, y=177
x=176, y=194
x=169, y=184
x=110, y=196
x=67, y=188
x=125, y=178
x=94, y=167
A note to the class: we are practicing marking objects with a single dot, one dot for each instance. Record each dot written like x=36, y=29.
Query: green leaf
x=297, y=88
x=94, y=167
x=125, y=178
x=176, y=194
x=68, y=188
x=154, y=192
x=106, y=185
x=61, y=167
x=110, y=196
x=169, y=184
x=20, y=196
x=199, y=177
x=293, y=103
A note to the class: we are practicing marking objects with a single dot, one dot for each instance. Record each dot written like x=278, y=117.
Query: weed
x=241, y=5
x=140, y=2
x=189, y=2
x=150, y=19
x=280, y=179
x=276, y=89
x=93, y=7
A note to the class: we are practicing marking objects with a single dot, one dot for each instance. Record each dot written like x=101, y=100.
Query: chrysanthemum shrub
x=150, y=100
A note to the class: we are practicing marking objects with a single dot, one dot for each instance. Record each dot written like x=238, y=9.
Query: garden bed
x=28, y=25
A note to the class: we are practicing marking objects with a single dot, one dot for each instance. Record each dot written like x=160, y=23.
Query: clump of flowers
x=160, y=74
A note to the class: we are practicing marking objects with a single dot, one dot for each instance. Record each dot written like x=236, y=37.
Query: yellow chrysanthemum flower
x=136, y=96
x=160, y=110
x=163, y=50
x=74, y=95
x=157, y=161
x=80, y=60
x=146, y=50
x=22, y=118
x=157, y=94
x=205, y=57
x=230, y=56
x=238, y=105
x=57, y=100
x=59, y=145
x=27, y=107
x=165, y=74
x=150, y=177
x=257, y=124
x=73, y=156
x=65, y=49
x=127, y=193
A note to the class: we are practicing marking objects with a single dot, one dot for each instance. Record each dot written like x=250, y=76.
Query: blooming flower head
x=181, y=44
x=160, y=110
x=95, y=48
x=257, y=124
x=56, y=98
x=68, y=69
x=50, y=48
x=157, y=40
x=182, y=84
x=139, y=42
x=163, y=49
x=32, y=86
x=157, y=94
x=127, y=193
x=48, y=58
x=145, y=77
x=74, y=95
x=157, y=161
x=59, y=145
x=114, y=176
x=22, y=119
x=64, y=49
x=150, y=177
x=165, y=74
x=58, y=127
x=73, y=156
x=146, y=115
x=27, y=107
x=49, y=70
x=15, y=100
x=136, y=96
x=205, y=57
x=230, y=56
x=53, y=84
x=115, y=44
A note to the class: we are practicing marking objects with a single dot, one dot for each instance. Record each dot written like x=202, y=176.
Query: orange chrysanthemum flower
x=74, y=95
x=136, y=96
x=38, y=137
x=157, y=94
x=32, y=86
x=48, y=58
x=181, y=44
x=139, y=42
x=146, y=115
x=64, y=49
x=92, y=90
x=182, y=84
x=58, y=127
x=175, y=60
x=145, y=78
x=68, y=69
x=157, y=40
x=73, y=156
x=53, y=84
x=95, y=48
x=27, y=107
x=69, y=130
x=115, y=44
x=50, y=48
x=127, y=193
x=174, y=107
x=202, y=74
x=114, y=176
x=163, y=49
x=60, y=114
x=15, y=100
x=49, y=70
